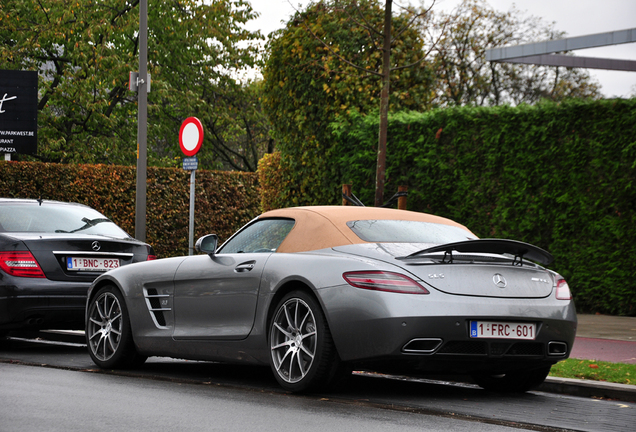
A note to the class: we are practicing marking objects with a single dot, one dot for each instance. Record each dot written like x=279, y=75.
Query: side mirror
x=207, y=244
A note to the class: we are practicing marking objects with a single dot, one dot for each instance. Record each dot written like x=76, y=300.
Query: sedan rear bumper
x=43, y=304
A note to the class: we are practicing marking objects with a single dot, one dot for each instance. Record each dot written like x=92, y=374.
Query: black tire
x=302, y=353
x=4, y=337
x=512, y=382
x=108, y=334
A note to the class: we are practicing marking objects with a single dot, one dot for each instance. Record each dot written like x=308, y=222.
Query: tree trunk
x=384, y=106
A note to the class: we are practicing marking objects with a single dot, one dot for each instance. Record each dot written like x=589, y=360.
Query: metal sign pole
x=142, y=124
x=191, y=234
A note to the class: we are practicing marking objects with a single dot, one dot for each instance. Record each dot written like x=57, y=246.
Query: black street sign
x=18, y=111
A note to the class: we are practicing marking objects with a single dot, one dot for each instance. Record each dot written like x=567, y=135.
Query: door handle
x=245, y=267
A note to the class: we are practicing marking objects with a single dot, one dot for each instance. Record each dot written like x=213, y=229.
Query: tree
x=326, y=63
x=461, y=39
x=240, y=137
x=387, y=69
x=84, y=51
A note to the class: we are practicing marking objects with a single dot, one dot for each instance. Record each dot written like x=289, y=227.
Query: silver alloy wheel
x=293, y=340
x=105, y=326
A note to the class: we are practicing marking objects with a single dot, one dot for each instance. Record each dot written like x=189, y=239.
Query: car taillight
x=151, y=253
x=22, y=264
x=563, y=290
x=384, y=281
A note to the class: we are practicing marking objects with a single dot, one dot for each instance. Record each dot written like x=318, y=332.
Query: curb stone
x=589, y=388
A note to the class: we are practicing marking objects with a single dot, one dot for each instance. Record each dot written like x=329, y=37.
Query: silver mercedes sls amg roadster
x=317, y=292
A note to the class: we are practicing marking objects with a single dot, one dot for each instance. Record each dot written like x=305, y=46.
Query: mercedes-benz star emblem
x=499, y=280
x=96, y=246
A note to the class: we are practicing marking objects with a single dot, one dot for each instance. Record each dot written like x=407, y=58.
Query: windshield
x=56, y=218
x=264, y=235
x=398, y=231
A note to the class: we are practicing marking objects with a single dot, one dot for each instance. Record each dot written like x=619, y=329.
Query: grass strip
x=620, y=373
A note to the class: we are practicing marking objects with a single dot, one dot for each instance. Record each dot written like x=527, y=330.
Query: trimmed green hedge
x=271, y=181
x=224, y=201
x=561, y=176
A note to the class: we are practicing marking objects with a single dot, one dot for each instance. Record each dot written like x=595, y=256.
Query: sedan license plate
x=91, y=264
x=502, y=330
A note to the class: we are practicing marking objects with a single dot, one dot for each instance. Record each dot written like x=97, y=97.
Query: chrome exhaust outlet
x=557, y=348
x=34, y=321
x=422, y=345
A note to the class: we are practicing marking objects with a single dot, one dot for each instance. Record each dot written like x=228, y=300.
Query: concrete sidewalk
x=607, y=327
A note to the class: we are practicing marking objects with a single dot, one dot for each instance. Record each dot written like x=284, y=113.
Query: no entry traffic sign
x=190, y=139
x=191, y=136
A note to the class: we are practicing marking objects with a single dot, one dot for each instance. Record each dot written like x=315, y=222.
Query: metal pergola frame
x=543, y=53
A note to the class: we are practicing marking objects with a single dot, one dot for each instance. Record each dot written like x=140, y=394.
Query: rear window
x=52, y=218
x=398, y=231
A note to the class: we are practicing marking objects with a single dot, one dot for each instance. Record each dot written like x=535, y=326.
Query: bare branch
x=408, y=25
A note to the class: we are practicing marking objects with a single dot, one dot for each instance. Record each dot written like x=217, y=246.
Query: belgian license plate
x=91, y=264
x=502, y=330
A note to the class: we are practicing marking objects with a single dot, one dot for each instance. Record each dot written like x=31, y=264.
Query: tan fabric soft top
x=323, y=227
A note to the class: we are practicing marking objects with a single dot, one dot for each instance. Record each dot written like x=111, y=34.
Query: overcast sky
x=575, y=17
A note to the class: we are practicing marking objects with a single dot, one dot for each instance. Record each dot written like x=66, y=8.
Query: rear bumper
x=442, y=344
x=431, y=333
x=41, y=304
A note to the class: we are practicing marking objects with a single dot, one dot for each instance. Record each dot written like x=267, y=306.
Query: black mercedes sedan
x=50, y=253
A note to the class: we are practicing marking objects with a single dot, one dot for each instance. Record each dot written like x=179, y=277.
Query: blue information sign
x=190, y=163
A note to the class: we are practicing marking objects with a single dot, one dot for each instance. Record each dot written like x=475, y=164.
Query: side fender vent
x=158, y=305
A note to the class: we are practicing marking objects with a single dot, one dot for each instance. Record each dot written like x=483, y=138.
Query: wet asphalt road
x=98, y=402
x=171, y=383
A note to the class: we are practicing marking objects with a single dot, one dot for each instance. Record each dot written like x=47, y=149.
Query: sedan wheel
x=302, y=351
x=108, y=333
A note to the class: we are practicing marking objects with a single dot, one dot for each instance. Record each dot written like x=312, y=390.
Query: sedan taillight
x=151, y=254
x=563, y=290
x=21, y=264
x=384, y=281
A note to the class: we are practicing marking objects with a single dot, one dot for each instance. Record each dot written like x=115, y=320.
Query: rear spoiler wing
x=519, y=250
